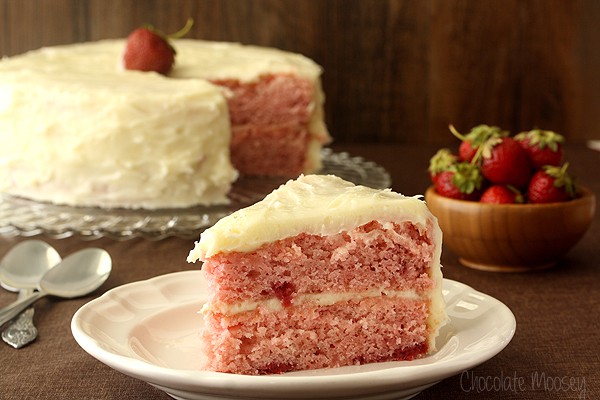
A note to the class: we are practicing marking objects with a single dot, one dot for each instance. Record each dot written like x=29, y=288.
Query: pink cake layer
x=368, y=257
x=270, y=124
x=309, y=337
x=375, y=256
x=273, y=99
x=269, y=150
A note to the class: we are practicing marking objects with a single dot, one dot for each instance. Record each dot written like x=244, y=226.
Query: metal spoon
x=77, y=275
x=20, y=270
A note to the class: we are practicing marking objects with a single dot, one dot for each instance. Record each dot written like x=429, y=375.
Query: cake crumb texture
x=369, y=256
x=310, y=337
x=289, y=323
x=271, y=125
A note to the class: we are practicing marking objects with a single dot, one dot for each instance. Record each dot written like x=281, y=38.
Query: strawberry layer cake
x=321, y=274
x=77, y=128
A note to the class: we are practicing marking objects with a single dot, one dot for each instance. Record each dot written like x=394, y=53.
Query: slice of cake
x=321, y=273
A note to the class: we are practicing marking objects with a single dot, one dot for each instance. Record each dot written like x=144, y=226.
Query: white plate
x=150, y=330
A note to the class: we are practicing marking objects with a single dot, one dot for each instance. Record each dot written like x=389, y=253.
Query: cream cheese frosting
x=312, y=204
x=194, y=59
x=320, y=299
x=77, y=128
x=138, y=148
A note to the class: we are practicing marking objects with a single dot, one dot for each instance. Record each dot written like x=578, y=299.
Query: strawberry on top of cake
x=321, y=273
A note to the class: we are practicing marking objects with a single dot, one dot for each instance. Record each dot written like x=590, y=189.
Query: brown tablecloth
x=555, y=352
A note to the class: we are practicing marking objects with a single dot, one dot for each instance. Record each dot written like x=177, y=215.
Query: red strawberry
x=475, y=138
x=551, y=184
x=504, y=162
x=543, y=147
x=460, y=181
x=440, y=162
x=500, y=194
x=148, y=49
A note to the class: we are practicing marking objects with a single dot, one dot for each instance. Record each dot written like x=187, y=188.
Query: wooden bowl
x=511, y=237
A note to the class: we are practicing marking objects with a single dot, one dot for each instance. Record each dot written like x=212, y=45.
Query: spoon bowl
x=76, y=275
x=79, y=274
x=26, y=263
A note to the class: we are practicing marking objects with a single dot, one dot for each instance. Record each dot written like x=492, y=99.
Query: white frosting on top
x=194, y=59
x=223, y=60
x=77, y=128
x=313, y=204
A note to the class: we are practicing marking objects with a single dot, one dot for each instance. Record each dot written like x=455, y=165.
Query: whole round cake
x=79, y=129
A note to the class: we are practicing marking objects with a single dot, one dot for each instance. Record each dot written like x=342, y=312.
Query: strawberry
x=551, y=184
x=475, y=138
x=504, y=162
x=460, y=181
x=543, y=147
x=440, y=162
x=500, y=194
x=148, y=49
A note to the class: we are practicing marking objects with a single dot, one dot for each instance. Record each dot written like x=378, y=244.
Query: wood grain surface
x=512, y=237
x=394, y=70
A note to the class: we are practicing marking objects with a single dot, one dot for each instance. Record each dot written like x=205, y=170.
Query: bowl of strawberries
x=508, y=203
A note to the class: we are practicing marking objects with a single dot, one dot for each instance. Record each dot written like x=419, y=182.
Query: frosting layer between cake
x=319, y=299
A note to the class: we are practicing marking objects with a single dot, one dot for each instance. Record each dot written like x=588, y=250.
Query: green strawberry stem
x=484, y=150
x=456, y=133
x=518, y=195
x=562, y=178
x=479, y=134
x=183, y=31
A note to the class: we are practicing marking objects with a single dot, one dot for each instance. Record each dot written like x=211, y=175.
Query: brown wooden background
x=395, y=70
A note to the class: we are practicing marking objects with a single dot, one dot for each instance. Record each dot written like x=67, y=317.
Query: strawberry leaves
x=467, y=177
x=441, y=161
x=460, y=181
x=543, y=147
x=491, y=166
x=454, y=178
x=551, y=184
x=476, y=137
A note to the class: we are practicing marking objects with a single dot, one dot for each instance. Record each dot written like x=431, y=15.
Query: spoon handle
x=21, y=330
x=12, y=310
